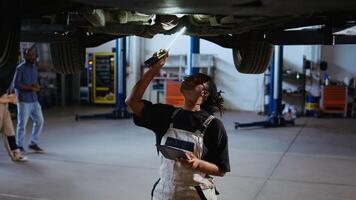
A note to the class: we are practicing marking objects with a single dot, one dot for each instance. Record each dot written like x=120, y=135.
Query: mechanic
x=7, y=128
x=192, y=128
x=26, y=86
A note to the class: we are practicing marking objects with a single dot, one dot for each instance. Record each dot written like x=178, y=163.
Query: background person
x=26, y=86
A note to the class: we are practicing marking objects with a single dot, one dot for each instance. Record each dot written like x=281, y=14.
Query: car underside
x=249, y=28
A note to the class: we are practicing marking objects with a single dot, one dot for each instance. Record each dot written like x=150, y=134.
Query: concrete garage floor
x=113, y=159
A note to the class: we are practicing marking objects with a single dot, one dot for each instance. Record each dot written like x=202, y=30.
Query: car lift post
x=194, y=50
x=120, y=111
x=275, y=118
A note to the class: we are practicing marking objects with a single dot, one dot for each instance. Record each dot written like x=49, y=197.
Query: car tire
x=253, y=58
x=9, y=44
x=68, y=57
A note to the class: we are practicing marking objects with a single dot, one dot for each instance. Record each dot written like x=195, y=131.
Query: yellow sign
x=104, y=79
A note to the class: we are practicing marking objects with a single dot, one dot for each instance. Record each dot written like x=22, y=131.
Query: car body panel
x=229, y=7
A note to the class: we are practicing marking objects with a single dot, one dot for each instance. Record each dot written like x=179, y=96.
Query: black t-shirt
x=157, y=118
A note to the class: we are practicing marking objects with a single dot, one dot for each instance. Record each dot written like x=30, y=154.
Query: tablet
x=171, y=152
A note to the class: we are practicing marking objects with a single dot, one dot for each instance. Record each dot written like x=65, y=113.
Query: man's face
x=30, y=56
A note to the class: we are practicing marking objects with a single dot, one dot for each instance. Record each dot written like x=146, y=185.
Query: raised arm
x=134, y=100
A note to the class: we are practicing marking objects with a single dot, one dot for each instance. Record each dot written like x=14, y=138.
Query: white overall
x=178, y=182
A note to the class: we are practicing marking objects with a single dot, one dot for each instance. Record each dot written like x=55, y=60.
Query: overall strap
x=175, y=113
x=206, y=123
x=200, y=193
x=201, y=130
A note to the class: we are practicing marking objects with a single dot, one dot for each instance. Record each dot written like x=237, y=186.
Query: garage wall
x=341, y=61
x=293, y=57
x=241, y=91
x=237, y=87
x=245, y=92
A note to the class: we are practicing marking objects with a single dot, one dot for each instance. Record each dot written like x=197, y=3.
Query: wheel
x=9, y=43
x=253, y=58
x=68, y=57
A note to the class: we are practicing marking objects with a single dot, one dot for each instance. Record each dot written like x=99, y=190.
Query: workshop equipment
x=333, y=100
x=104, y=79
x=173, y=94
x=120, y=110
x=352, y=97
x=311, y=106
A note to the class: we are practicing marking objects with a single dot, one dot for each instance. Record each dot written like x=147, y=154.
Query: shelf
x=293, y=94
x=166, y=78
x=291, y=78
